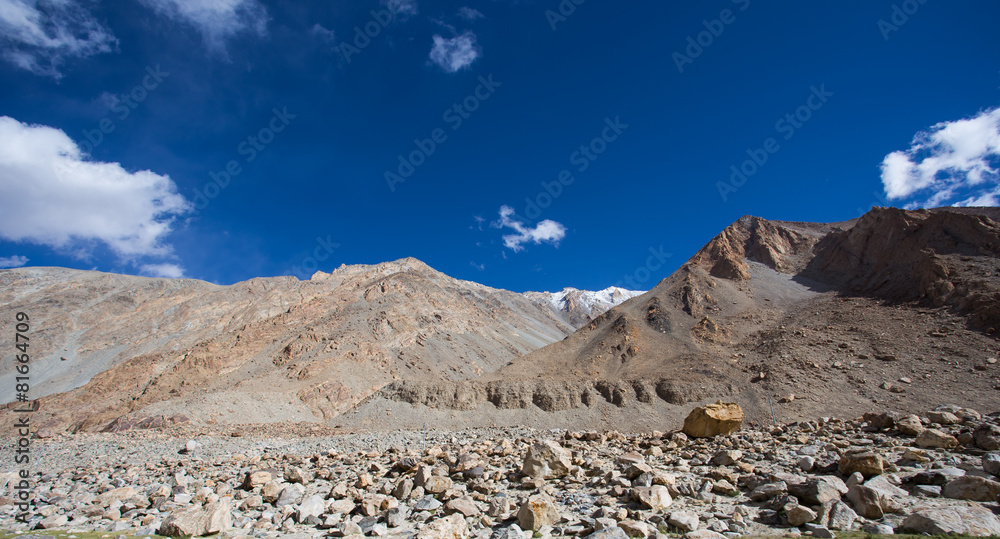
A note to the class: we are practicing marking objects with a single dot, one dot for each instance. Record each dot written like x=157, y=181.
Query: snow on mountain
x=582, y=306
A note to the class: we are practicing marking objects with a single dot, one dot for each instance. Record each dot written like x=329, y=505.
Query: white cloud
x=71, y=204
x=172, y=271
x=469, y=14
x=401, y=7
x=479, y=267
x=323, y=33
x=456, y=53
x=951, y=163
x=40, y=35
x=13, y=261
x=547, y=231
x=217, y=20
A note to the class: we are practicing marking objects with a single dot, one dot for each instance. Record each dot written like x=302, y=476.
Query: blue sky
x=527, y=145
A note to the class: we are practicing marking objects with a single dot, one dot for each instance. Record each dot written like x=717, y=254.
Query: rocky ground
x=882, y=473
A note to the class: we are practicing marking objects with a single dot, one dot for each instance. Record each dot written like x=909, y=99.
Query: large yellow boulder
x=713, y=420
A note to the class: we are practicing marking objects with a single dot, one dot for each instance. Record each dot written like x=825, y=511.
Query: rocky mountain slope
x=581, y=306
x=144, y=350
x=790, y=320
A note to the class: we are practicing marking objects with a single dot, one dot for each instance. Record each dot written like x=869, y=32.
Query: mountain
x=896, y=309
x=791, y=320
x=579, y=307
x=108, y=347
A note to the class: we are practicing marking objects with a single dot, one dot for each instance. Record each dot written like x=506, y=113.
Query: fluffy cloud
x=547, y=231
x=217, y=20
x=456, y=53
x=13, y=261
x=952, y=163
x=405, y=8
x=40, y=35
x=172, y=271
x=53, y=196
x=469, y=14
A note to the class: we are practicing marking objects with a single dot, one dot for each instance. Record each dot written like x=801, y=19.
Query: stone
x=881, y=421
x=635, y=529
x=313, y=506
x=212, y=518
x=704, y=534
x=962, y=520
x=971, y=487
x=806, y=463
x=290, y=495
x=53, y=521
x=295, y=474
x=191, y=446
x=821, y=532
x=396, y=517
x=768, y=491
x=271, y=491
x=464, y=505
x=987, y=436
x=427, y=503
x=877, y=528
x=403, y=488
x=614, y=532
x=685, y=521
x=867, y=463
x=547, y=460
x=253, y=480
x=991, y=464
x=800, y=514
x=943, y=418
x=933, y=438
x=508, y=532
x=450, y=527
x=870, y=502
x=437, y=484
x=118, y=494
x=842, y=517
x=727, y=457
x=713, y=420
x=536, y=512
x=656, y=497
x=820, y=490
x=910, y=425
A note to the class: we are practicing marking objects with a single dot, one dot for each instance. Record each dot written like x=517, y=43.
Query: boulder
x=464, y=505
x=212, y=518
x=910, y=425
x=546, y=460
x=536, y=512
x=713, y=420
x=842, y=517
x=800, y=514
x=613, y=532
x=991, y=464
x=313, y=506
x=437, y=484
x=962, y=520
x=871, y=503
x=971, y=487
x=656, y=497
x=936, y=439
x=253, y=480
x=819, y=490
x=450, y=527
x=508, y=532
x=987, y=437
x=685, y=521
x=866, y=463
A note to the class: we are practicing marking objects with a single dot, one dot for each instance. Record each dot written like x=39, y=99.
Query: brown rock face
x=713, y=420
